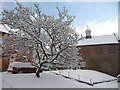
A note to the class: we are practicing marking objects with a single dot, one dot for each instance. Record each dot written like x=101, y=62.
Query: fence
x=75, y=76
x=80, y=78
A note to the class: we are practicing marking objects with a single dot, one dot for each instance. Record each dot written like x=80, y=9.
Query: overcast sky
x=102, y=17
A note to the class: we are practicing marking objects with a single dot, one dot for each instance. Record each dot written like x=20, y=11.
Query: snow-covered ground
x=51, y=80
x=47, y=80
x=119, y=86
x=86, y=75
x=0, y=81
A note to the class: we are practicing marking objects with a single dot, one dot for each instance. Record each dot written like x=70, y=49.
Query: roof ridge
x=102, y=35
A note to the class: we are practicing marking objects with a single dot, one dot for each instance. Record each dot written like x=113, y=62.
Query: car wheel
x=13, y=72
x=20, y=71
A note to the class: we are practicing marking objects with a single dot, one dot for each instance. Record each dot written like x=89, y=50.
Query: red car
x=21, y=67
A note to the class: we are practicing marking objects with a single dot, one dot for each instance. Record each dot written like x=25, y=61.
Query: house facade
x=3, y=32
x=100, y=53
x=10, y=54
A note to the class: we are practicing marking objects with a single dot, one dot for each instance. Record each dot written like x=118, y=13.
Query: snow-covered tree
x=52, y=38
x=15, y=43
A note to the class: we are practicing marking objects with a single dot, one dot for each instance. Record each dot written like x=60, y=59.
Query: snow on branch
x=50, y=37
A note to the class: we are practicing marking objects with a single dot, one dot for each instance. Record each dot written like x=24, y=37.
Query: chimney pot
x=88, y=33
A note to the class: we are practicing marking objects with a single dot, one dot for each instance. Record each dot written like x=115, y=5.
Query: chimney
x=88, y=33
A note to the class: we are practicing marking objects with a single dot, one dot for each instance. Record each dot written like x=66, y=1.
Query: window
x=82, y=64
x=12, y=58
x=112, y=49
x=83, y=58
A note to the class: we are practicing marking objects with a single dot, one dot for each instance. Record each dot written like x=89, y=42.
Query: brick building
x=100, y=53
x=3, y=32
x=10, y=55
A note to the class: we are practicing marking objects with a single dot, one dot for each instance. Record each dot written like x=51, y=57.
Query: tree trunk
x=39, y=70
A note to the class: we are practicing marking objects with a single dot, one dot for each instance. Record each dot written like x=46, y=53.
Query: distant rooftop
x=98, y=40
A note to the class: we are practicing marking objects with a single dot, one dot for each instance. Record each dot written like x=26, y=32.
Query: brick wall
x=102, y=58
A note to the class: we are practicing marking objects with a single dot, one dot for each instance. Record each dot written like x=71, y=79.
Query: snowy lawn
x=119, y=85
x=91, y=76
x=86, y=75
x=50, y=80
x=47, y=80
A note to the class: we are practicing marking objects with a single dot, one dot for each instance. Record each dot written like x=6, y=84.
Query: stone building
x=100, y=53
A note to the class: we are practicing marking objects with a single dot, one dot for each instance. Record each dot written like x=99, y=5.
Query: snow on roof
x=98, y=40
x=3, y=29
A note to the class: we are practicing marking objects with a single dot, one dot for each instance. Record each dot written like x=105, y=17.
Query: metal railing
x=80, y=78
x=75, y=76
